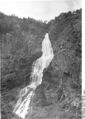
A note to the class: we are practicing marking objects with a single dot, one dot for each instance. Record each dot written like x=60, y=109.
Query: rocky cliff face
x=61, y=84
x=59, y=95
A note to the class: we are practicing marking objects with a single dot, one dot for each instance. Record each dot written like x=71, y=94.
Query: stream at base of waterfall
x=23, y=104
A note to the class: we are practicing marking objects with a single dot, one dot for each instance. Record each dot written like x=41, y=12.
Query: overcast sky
x=38, y=9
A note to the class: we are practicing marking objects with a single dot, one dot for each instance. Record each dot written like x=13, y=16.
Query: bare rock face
x=61, y=83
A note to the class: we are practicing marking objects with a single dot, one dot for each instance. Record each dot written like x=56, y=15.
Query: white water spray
x=26, y=94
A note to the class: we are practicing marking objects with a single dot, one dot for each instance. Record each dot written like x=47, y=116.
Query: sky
x=38, y=9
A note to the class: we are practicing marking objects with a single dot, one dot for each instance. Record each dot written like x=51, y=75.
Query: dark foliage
x=21, y=45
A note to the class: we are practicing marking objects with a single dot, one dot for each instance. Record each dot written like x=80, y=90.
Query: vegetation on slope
x=21, y=45
x=61, y=84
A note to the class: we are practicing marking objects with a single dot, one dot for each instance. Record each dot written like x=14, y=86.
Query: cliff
x=60, y=91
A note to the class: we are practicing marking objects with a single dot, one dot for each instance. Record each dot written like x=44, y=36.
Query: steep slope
x=59, y=95
x=20, y=46
x=61, y=86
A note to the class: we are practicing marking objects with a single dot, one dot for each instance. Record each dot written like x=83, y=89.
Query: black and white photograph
x=41, y=59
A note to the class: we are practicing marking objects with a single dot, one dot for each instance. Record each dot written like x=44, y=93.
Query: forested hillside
x=60, y=91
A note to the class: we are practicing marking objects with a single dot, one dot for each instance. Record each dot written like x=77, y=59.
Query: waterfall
x=23, y=104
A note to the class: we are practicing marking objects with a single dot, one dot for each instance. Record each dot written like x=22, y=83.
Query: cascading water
x=26, y=94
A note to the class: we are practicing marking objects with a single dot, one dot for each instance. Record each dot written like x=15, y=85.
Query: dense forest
x=20, y=42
